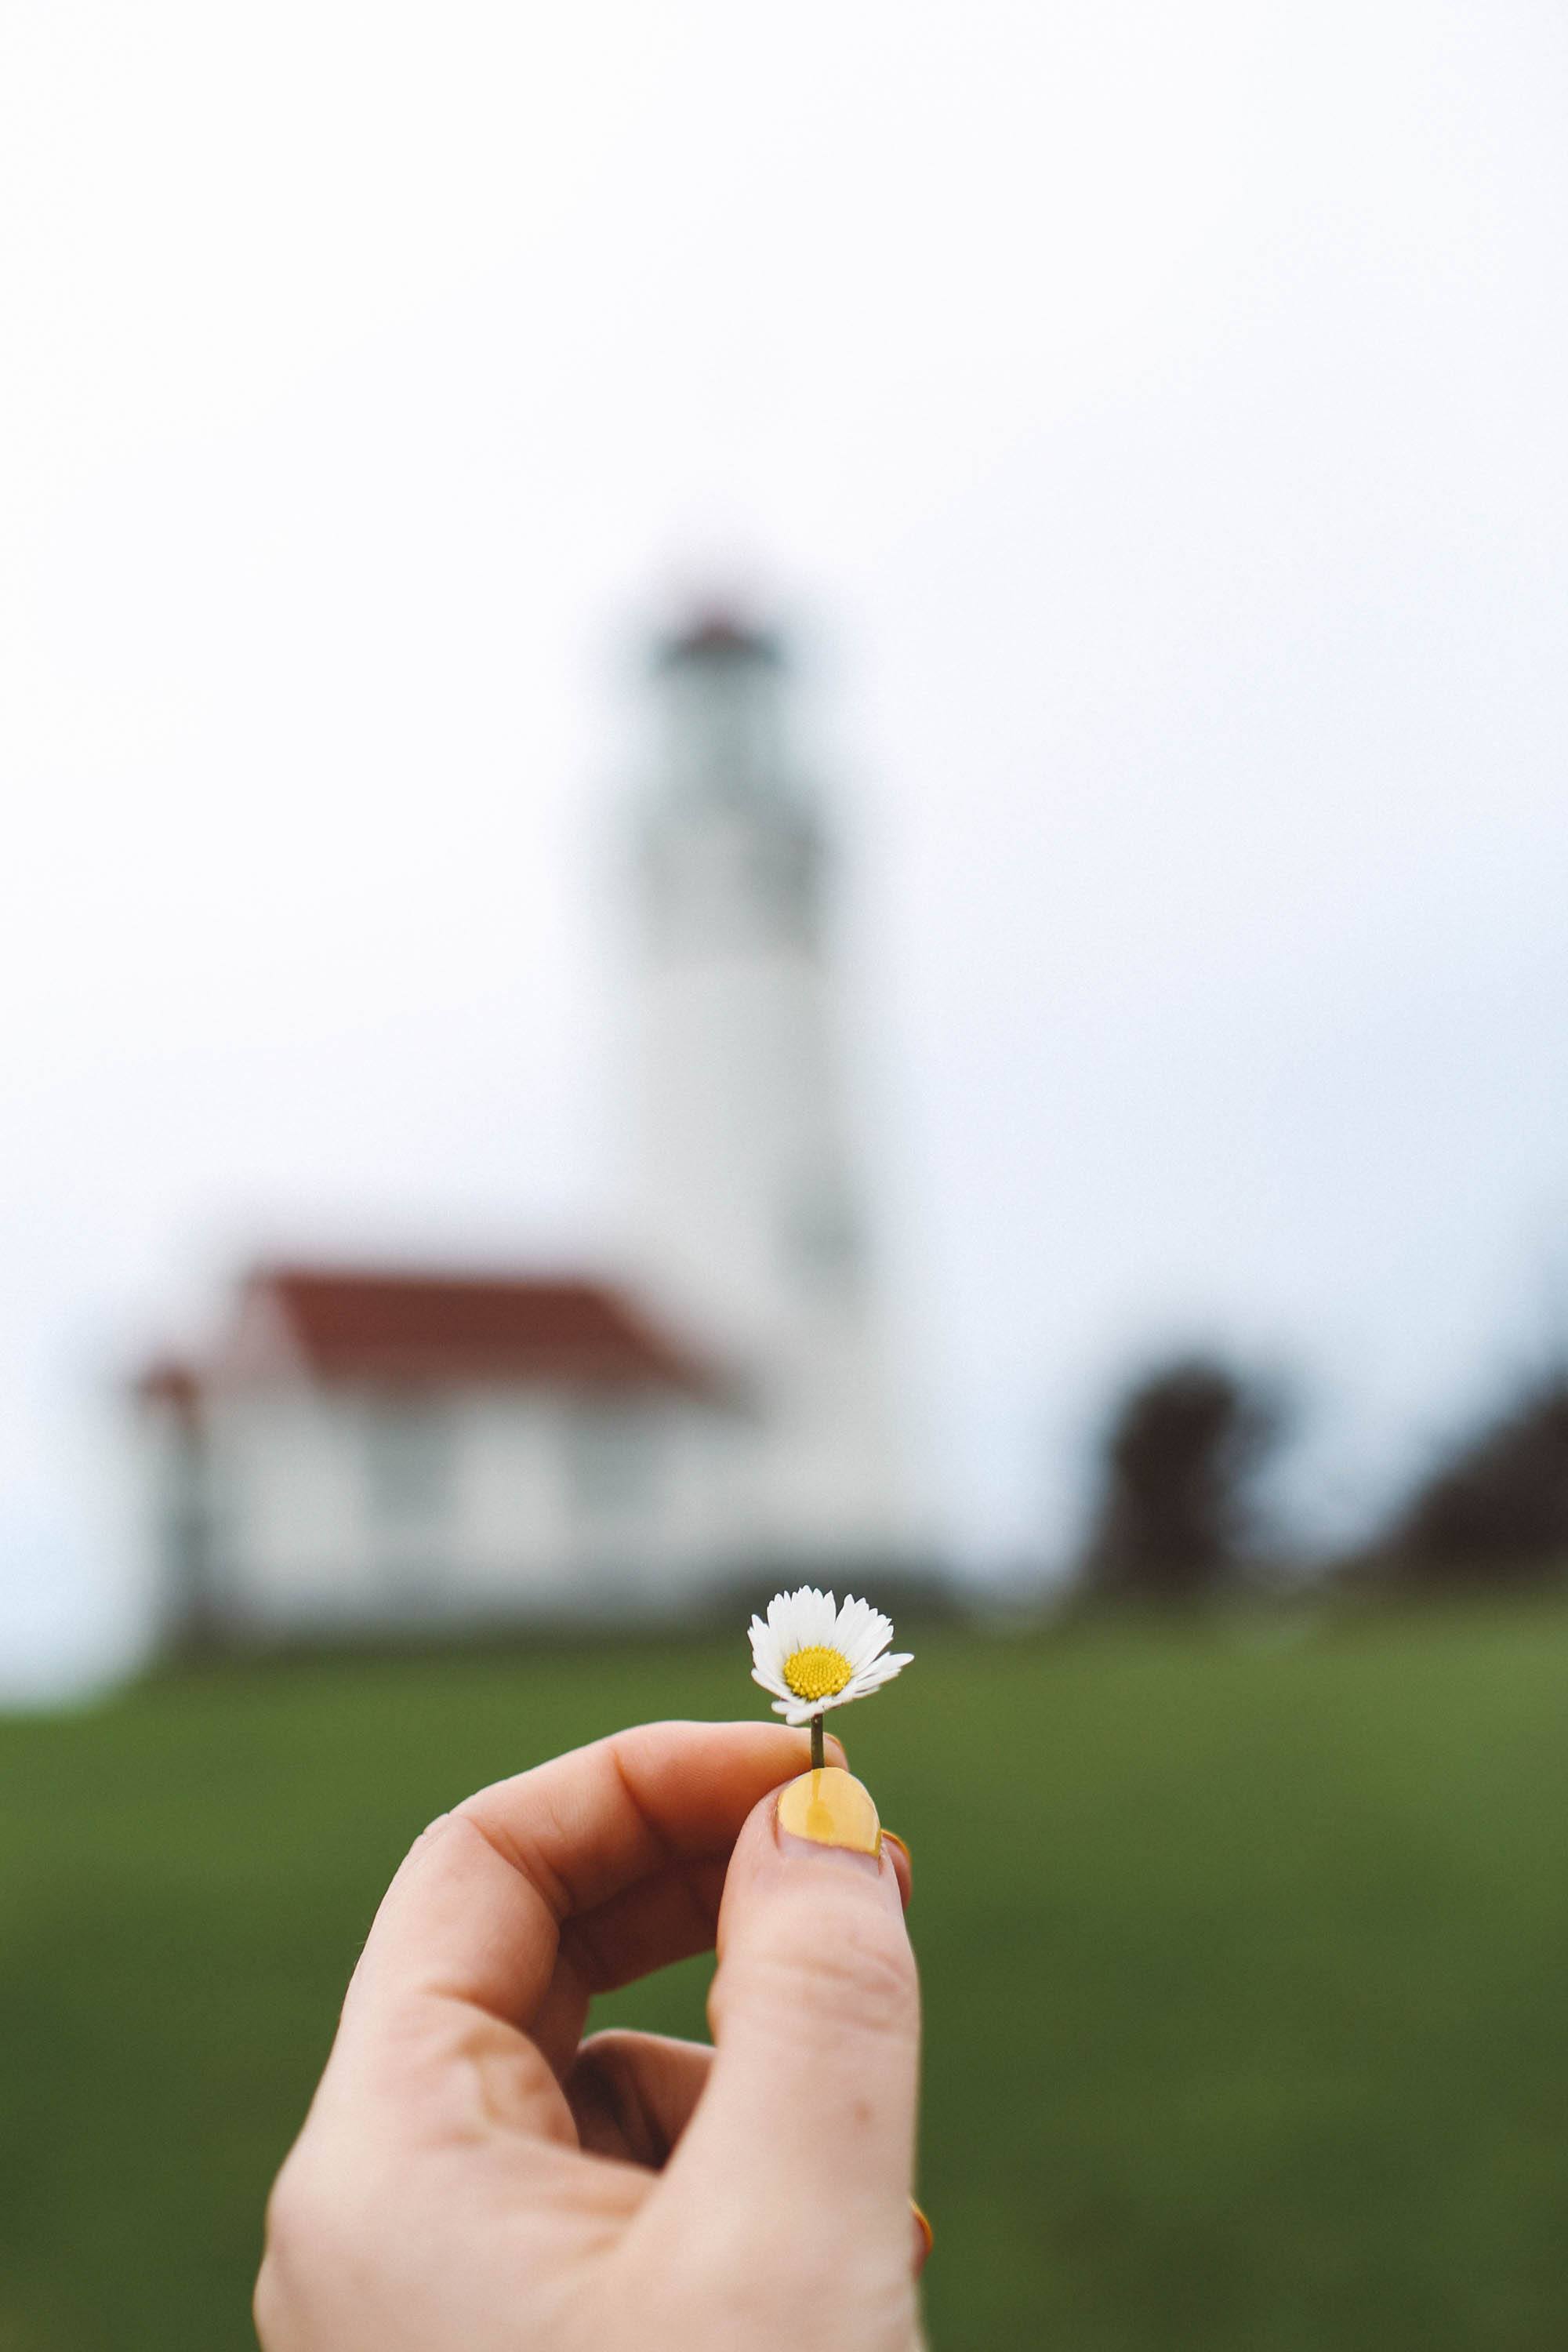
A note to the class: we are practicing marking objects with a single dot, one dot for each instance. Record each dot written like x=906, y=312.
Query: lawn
x=1246, y=1959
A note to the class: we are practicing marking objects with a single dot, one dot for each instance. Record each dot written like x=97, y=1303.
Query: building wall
x=331, y=1509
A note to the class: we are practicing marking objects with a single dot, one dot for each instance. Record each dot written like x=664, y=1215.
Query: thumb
x=810, y=2108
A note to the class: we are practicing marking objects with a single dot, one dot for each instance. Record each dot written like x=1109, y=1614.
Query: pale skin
x=475, y=2177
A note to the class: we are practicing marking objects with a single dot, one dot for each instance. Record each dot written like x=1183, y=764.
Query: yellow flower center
x=817, y=1673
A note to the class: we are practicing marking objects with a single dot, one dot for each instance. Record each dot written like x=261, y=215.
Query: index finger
x=475, y=1913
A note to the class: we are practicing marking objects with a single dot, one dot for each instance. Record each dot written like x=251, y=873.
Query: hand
x=473, y=2177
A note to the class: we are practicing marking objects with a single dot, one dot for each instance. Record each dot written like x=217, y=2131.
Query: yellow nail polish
x=928, y=2235
x=831, y=1808
x=891, y=1837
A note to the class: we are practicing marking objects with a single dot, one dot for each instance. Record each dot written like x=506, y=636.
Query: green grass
x=1246, y=1964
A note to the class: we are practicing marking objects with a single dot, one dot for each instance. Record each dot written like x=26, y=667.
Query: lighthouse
x=749, y=1228
x=402, y=1447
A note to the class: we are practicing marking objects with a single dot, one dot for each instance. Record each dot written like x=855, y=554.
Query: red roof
x=361, y=1326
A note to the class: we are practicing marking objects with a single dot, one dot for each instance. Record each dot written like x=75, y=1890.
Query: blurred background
x=785, y=797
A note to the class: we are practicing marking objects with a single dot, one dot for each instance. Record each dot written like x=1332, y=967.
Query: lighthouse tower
x=749, y=1228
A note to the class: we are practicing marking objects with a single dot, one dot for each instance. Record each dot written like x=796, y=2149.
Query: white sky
x=1155, y=417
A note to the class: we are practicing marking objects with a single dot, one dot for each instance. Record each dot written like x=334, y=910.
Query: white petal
x=874, y=1638
x=872, y=1676
x=814, y=1621
x=878, y=1625
x=849, y=1626
x=766, y=1657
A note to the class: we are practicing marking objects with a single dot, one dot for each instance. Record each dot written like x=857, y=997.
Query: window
x=821, y=1232
x=408, y=1466
x=613, y=1453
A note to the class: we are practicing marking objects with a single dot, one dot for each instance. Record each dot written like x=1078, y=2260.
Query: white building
x=369, y=1450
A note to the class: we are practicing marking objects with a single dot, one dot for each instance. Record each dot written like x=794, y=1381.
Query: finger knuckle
x=294, y=2219
x=864, y=1979
x=287, y=2234
x=274, y=2307
x=317, y=2206
x=850, y=1972
x=613, y=2047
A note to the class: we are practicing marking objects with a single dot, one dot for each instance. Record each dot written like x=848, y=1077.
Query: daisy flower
x=812, y=1655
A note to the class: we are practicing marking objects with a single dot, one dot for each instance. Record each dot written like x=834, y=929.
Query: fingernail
x=830, y=1808
x=891, y=1837
x=927, y=2235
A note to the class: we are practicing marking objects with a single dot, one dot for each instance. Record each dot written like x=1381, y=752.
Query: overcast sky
x=1151, y=419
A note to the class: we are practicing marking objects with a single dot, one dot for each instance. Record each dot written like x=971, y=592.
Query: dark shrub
x=1177, y=1516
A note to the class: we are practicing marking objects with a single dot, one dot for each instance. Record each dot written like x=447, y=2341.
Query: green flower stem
x=818, y=1753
